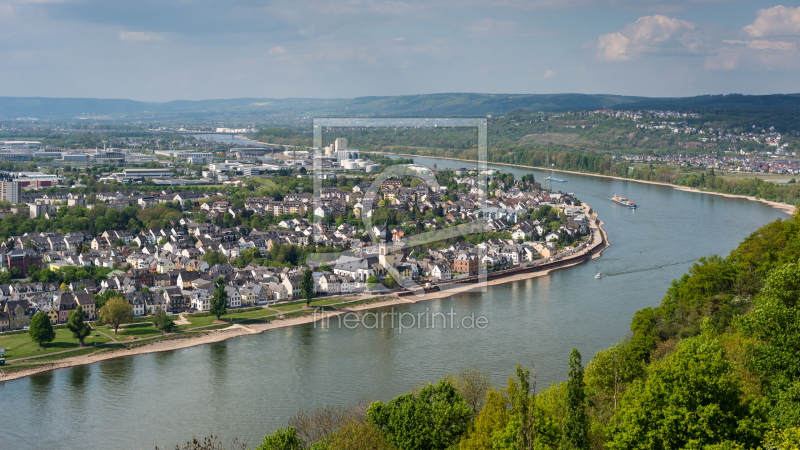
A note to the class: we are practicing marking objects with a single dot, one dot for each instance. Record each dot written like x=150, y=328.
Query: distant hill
x=428, y=105
x=475, y=105
x=57, y=107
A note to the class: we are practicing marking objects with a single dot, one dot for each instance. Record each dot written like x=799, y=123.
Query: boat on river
x=556, y=180
x=623, y=201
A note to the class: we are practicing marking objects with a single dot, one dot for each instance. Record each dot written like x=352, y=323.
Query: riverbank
x=781, y=206
x=177, y=342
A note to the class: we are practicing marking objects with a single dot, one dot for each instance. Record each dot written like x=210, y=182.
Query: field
x=21, y=346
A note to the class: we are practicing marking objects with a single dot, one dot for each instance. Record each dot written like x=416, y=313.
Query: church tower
x=385, y=245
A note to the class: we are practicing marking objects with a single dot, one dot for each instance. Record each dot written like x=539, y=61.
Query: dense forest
x=715, y=366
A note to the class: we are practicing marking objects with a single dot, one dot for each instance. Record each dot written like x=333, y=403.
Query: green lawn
x=249, y=314
x=297, y=313
x=137, y=330
x=329, y=301
x=197, y=322
x=289, y=306
x=21, y=346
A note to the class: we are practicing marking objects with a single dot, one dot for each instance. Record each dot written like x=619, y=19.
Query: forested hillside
x=715, y=366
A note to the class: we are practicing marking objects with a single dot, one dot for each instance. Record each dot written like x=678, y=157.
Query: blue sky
x=160, y=50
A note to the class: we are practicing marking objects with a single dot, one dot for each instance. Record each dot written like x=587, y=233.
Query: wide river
x=249, y=386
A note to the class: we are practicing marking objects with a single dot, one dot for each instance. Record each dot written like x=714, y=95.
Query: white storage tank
x=363, y=164
x=372, y=167
x=350, y=165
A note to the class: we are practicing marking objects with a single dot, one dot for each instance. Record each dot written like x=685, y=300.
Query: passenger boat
x=556, y=180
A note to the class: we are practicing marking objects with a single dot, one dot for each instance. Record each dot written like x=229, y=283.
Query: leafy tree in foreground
x=576, y=427
x=41, y=331
x=282, y=440
x=775, y=323
x=76, y=324
x=434, y=419
x=116, y=311
x=219, y=301
x=307, y=286
x=692, y=399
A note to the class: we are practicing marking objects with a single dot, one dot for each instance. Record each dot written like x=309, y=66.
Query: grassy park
x=22, y=353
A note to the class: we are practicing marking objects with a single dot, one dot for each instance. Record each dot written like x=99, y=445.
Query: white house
x=440, y=271
x=201, y=300
x=234, y=298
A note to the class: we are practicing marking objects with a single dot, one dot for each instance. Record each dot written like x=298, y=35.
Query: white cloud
x=776, y=21
x=399, y=39
x=140, y=36
x=486, y=27
x=613, y=47
x=277, y=51
x=648, y=34
x=754, y=54
x=759, y=44
x=549, y=74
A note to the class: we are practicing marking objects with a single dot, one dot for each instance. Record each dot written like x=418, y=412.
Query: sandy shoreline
x=784, y=207
x=237, y=330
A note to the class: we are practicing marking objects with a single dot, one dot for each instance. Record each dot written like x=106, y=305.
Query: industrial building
x=137, y=174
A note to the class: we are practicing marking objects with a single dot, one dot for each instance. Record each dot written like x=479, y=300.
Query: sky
x=161, y=50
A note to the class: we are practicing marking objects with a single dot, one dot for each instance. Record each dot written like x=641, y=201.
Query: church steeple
x=385, y=245
x=385, y=235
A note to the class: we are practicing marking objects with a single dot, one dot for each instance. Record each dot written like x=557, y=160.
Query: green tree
x=163, y=321
x=282, y=440
x=775, y=324
x=219, y=301
x=691, y=399
x=492, y=418
x=47, y=276
x=76, y=324
x=434, y=419
x=576, y=426
x=41, y=331
x=611, y=370
x=372, y=282
x=307, y=286
x=115, y=312
x=389, y=281
x=214, y=257
x=522, y=394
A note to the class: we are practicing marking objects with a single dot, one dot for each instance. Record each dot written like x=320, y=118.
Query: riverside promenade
x=578, y=254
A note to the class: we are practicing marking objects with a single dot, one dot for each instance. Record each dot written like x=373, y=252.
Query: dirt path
x=106, y=335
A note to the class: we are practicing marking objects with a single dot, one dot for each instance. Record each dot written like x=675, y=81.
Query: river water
x=249, y=386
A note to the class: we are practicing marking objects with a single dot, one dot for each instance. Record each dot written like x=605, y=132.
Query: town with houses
x=173, y=268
